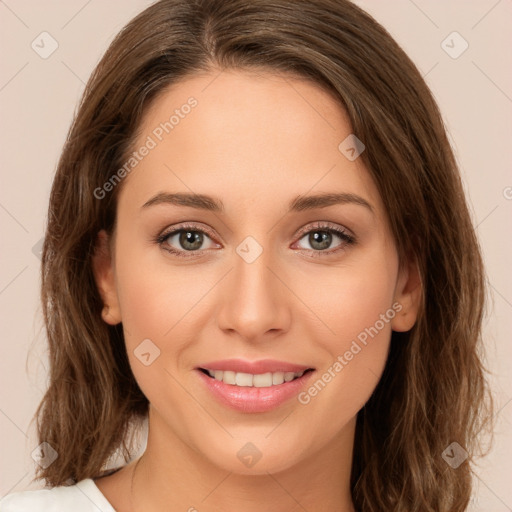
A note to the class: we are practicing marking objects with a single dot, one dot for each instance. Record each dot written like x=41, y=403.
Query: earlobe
x=103, y=269
x=408, y=294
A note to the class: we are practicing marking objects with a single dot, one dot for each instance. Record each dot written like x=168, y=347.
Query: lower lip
x=252, y=399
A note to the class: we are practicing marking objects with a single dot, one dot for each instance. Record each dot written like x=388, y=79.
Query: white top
x=83, y=496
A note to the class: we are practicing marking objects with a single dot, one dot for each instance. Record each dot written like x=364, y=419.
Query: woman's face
x=260, y=285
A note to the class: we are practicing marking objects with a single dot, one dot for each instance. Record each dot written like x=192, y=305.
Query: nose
x=256, y=300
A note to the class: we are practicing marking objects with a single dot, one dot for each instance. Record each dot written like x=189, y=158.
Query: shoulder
x=81, y=497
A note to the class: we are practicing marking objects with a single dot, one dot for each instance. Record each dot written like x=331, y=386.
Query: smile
x=253, y=387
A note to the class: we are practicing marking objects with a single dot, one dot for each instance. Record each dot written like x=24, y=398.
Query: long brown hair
x=433, y=391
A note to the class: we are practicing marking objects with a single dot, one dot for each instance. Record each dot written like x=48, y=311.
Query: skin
x=256, y=141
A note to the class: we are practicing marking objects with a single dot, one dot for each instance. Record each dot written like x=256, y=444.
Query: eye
x=183, y=239
x=322, y=236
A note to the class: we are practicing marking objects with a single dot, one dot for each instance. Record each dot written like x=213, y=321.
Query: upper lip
x=254, y=367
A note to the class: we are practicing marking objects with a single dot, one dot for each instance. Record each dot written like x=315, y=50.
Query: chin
x=257, y=457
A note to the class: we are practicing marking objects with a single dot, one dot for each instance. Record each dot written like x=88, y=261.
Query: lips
x=253, y=386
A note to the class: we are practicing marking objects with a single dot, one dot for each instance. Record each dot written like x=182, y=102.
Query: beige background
x=38, y=98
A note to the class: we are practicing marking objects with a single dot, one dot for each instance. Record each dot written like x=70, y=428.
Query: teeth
x=262, y=380
x=288, y=376
x=229, y=377
x=278, y=378
x=243, y=379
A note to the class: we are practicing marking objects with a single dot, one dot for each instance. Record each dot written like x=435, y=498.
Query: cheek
x=355, y=306
x=154, y=307
x=153, y=295
x=165, y=304
x=348, y=299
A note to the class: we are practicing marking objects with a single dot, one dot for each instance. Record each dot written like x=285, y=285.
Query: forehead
x=247, y=138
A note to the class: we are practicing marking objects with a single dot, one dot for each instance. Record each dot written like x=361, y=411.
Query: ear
x=408, y=294
x=103, y=270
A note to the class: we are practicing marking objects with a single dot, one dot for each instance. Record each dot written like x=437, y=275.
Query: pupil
x=322, y=238
x=191, y=240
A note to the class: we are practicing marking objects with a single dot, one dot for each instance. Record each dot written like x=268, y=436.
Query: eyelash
x=347, y=238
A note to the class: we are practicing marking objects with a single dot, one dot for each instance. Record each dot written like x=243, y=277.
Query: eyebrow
x=299, y=204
